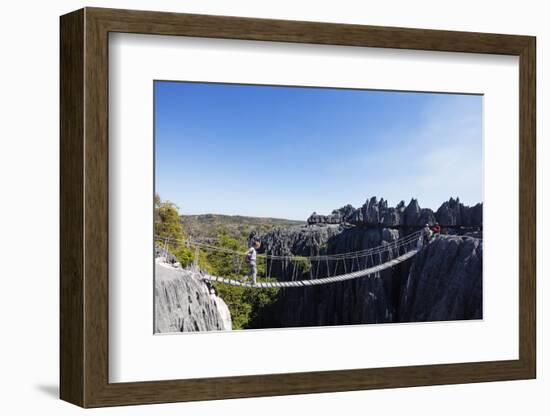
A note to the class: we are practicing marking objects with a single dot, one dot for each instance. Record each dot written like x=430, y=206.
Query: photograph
x=289, y=206
x=279, y=204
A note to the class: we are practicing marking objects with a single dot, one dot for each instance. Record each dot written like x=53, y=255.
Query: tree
x=167, y=220
x=168, y=226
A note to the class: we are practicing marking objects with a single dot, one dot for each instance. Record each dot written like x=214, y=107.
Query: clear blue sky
x=288, y=151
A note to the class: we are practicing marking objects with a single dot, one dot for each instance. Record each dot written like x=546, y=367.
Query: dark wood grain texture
x=84, y=207
x=71, y=219
x=527, y=208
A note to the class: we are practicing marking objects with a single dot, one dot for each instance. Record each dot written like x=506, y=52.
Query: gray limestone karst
x=374, y=212
x=453, y=213
x=302, y=240
x=185, y=303
x=444, y=281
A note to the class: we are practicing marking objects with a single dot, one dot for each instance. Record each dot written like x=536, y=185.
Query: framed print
x=254, y=207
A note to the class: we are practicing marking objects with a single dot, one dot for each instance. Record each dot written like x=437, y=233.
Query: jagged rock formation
x=304, y=241
x=301, y=241
x=416, y=216
x=358, y=301
x=359, y=238
x=444, y=281
x=166, y=255
x=451, y=213
x=184, y=303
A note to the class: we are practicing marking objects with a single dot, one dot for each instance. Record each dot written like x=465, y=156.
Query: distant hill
x=206, y=226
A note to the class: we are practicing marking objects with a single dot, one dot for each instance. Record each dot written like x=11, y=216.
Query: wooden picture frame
x=84, y=207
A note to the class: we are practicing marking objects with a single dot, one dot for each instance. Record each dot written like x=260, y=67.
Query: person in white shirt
x=250, y=259
x=428, y=233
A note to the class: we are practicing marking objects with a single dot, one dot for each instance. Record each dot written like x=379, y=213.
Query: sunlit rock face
x=185, y=303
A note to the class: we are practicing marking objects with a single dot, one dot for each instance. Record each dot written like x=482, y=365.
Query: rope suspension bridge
x=331, y=267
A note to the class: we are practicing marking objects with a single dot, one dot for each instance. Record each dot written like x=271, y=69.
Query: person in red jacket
x=436, y=228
